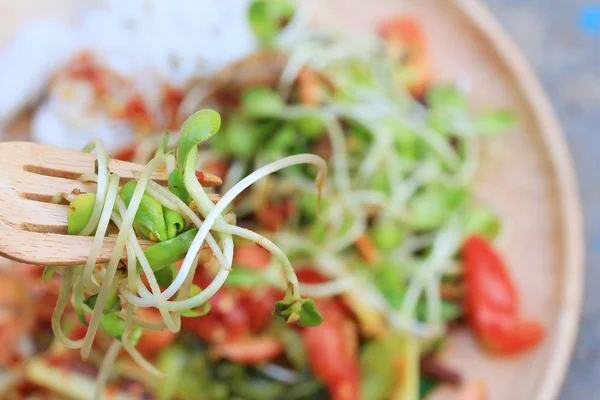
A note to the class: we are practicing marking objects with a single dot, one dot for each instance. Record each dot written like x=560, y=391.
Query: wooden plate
x=527, y=175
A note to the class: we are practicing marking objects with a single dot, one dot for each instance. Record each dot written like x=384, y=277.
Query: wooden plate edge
x=567, y=325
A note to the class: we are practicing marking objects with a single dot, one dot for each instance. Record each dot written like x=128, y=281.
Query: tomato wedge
x=332, y=350
x=153, y=341
x=406, y=41
x=492, y=304
x=250, y=350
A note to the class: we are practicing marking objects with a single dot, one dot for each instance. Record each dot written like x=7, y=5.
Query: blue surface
x=561, y=38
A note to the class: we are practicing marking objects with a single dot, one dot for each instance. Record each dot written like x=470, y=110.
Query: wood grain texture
x=33, y=230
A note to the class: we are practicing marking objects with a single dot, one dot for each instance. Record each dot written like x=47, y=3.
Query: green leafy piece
x=390, y=283
x=199, y=127
x=113, y=303
x=177, y=186
x=311, y=127
x=165, y=276
x=243, y=138
x=493, y=121
x=149, y=220
x=309, y=315
x=199, y=311
x=280, y=143
x=165, y=253
x=113, y=325
x=48, y=273
x=80, y=212
x=484, y=222
x=429, y=208
x=81, y=314
x=267, y=17
x=260, y=102
x=387, y=235
x=174, y=222
x=302, y=311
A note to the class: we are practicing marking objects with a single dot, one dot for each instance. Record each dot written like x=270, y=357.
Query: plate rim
x=566, y=327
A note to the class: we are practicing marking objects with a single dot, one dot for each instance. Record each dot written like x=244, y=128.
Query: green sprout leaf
x=199, y=127
x=301, y=311
x=177, y=187
x=80, y=211
x=309, y=315
x=165, y=276
x=112, y=325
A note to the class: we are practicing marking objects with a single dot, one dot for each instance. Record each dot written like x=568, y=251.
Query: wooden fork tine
x=52, y=249
x=56, y=161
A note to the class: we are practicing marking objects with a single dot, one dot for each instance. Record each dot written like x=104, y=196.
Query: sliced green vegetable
x=149, y=220
x=80, y=212
x=112, y=325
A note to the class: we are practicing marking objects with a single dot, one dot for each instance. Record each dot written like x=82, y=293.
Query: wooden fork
x=33, y=230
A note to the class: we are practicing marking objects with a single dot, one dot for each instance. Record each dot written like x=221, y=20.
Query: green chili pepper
x=200, y=126
x=149, y=220
x=177, y=186
x=165, y=253
x=266, y=18
x=174, y=222
x=80, y=211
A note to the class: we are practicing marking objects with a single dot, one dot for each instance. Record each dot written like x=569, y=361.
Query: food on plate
x=396, y=253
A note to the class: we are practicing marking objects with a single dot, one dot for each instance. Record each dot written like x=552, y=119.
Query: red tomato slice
x=251, y=256
x=153, y=341
x=332, y=350
x=250, y=350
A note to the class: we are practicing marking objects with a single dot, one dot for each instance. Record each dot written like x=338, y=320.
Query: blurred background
x=561, y=39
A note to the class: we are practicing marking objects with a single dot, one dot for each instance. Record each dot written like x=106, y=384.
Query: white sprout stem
x=107, y=363
x=102, y=227
x=103, y=177
x=329, y=289
x=215, y=213
x=122, y=237
x=130, y=348
x=341, y=174
x=59, y=309
x=288, y=269
x=159, y=300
